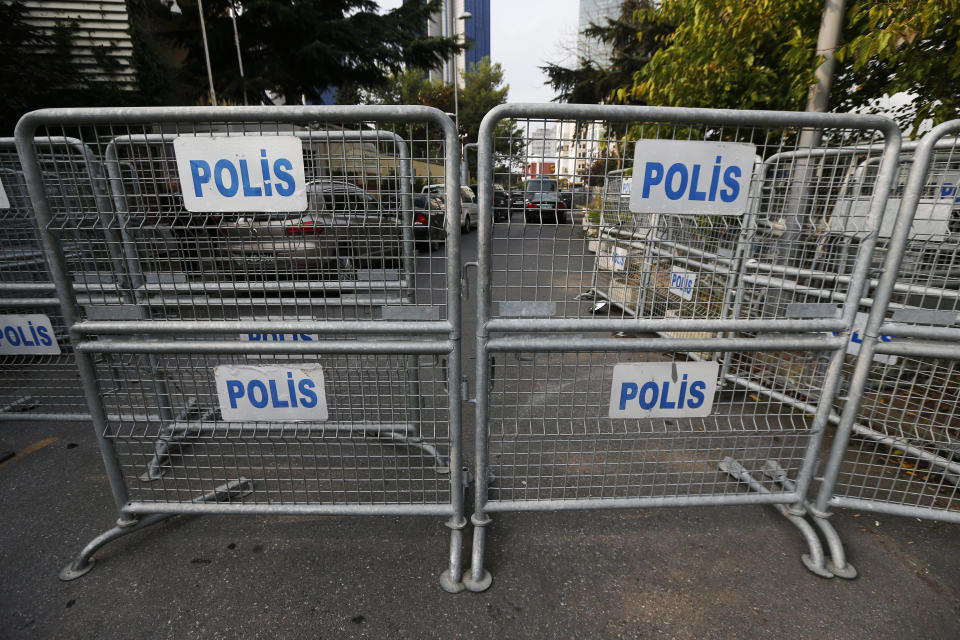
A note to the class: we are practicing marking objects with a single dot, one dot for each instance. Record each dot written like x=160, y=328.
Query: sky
x=524, y=35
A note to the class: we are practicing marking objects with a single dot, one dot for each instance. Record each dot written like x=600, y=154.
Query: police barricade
x=570, y=417
x=896, y=450
x=38, y=377
x=838, y=197
x=229, y=372
x=325, y=264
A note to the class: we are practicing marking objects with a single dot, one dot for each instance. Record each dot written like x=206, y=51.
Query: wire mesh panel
x=897, y=448
x=38, y=378
x=270, y=316
x=703, y=260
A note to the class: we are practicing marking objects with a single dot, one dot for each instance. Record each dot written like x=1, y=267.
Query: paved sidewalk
x=684, y=573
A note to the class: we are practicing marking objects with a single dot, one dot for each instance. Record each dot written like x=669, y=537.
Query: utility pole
x=827, y=41
x=206, y=54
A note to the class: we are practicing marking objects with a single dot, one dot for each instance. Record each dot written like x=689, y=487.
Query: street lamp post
x=206, y=53
x=236, y=41
x=175, y=10
x=466, y=15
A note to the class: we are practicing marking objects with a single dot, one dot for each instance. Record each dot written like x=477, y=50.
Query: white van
x=469, y=211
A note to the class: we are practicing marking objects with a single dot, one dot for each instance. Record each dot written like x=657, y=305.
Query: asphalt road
x=686, y=573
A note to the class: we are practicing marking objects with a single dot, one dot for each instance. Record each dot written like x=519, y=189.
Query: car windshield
x=542, y=185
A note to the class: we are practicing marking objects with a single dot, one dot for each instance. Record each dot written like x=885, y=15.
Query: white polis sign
x=688, y=177
x=271, y=393
x=682, y=283
x=663, y=389
x=246, y=173
x=856, y=340
x=28, y=334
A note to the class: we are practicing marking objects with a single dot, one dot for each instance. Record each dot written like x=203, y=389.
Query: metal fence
x=38, y=380
x=270, y=321
x=896, y=449
x=574, y=408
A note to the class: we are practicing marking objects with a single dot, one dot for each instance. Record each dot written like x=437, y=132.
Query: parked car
x=501, y=202
x=543, y=202
x=343, y=226
x=469, y=212
x=517, y=200
x=428, y=218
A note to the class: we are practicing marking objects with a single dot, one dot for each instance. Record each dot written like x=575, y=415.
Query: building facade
x=595, y=12
x=474, y=30
x=103, y=26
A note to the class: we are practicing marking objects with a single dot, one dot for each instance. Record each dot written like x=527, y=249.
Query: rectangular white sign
x=856, y=340
x=616, y=260
x=663, y=389
x=682, y=283
x=689, y=177
x=625, y=186
x=4, y=202
x=271, y=393
x=279, y=337
x=28, y=334
x=245, y=173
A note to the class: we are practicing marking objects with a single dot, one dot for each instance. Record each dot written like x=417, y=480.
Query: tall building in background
x=595, y=12
x=474, y=30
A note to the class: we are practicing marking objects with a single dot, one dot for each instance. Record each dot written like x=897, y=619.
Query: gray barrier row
x=38, y=380
x=245, y=349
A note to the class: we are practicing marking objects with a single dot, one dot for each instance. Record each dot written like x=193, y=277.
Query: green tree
x=760, y=54
x=631, y=43
x=735, y=54
x=299, y=49
x=903, y=46
x=483, y=89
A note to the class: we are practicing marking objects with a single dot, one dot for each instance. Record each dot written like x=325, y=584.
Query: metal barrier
x=37, y=375
x=263, y=338
x=569, y=417
x=896, y=449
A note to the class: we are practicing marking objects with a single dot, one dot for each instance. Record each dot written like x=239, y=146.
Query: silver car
x=344, y=226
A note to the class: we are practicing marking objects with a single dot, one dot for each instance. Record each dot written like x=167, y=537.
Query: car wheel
x=466, y=224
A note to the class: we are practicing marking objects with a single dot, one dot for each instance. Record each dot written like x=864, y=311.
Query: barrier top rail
x=770, y=130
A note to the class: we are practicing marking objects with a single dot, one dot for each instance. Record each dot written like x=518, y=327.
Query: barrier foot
x=20, y=405
x=169, y=437
x=442, y=464
x=128, y=524
x=173, y=436
x=85, y=561
x=837, y=564
x=451, y=580
x=814, y=559
x=480, y=585
x=476, y=578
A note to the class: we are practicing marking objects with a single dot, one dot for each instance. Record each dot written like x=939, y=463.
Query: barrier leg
x=813, y=559
x=477, y=578
x=127, y=524
x=452, y=580
x=837, y=565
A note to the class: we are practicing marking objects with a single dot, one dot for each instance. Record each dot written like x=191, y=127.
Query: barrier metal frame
x=440, y=337
x=926, y=340
x=41, y=294
x=811, y=331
